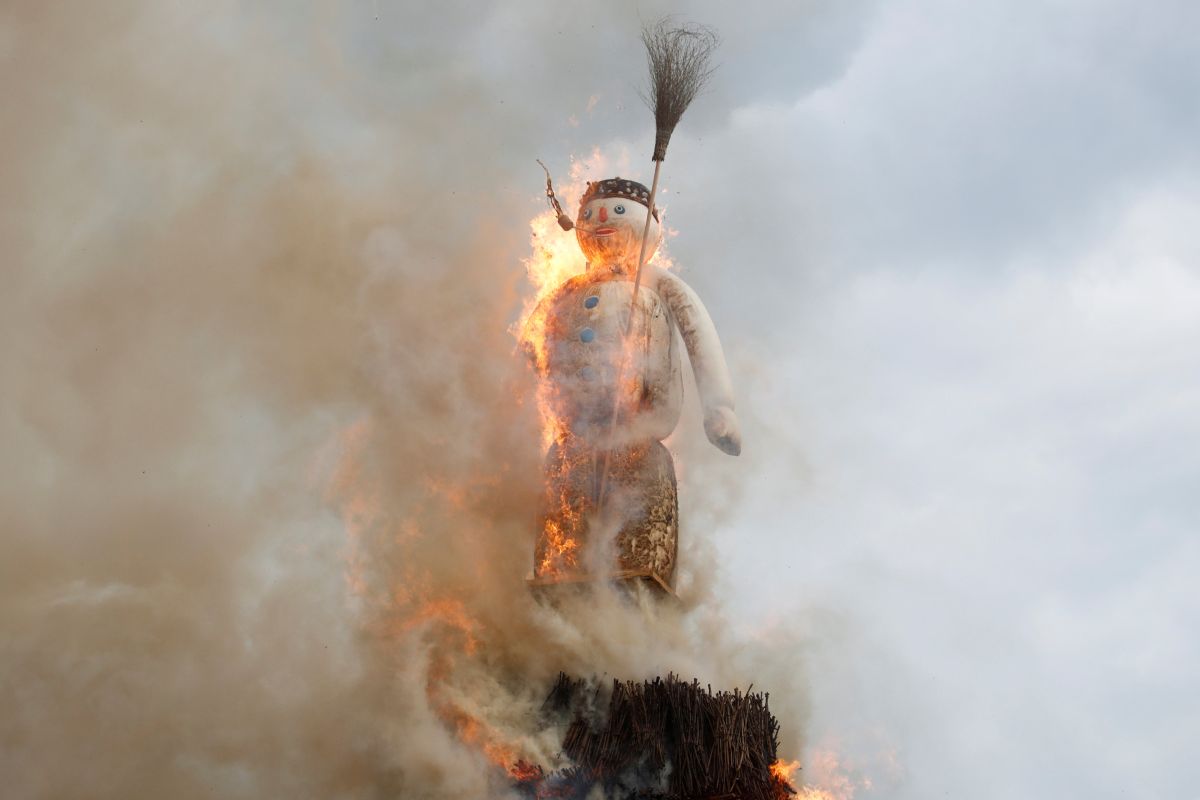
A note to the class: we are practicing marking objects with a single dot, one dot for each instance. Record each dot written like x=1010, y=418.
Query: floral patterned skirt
x=630, y=532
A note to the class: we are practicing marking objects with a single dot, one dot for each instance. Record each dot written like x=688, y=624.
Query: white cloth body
x=585, y=326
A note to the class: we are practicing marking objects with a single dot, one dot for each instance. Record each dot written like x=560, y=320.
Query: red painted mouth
x=604, y=231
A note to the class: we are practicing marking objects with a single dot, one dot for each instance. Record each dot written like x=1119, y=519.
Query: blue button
x=591, y=302
x=587, y=373
x=586, y=335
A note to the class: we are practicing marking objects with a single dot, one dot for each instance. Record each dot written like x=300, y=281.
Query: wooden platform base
x=626, y=577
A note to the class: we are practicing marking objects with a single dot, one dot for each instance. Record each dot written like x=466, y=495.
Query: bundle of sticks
x=666, y=739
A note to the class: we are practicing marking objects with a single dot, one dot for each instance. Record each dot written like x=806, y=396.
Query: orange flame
x=556, y=258
x=561, y=550
x=525, y=771
x=831, y=779
x=449, y=612
x=414, y=605
x=359, y=505
x=783, y=770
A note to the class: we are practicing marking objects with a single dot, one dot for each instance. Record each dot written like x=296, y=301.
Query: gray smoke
x=271, y=458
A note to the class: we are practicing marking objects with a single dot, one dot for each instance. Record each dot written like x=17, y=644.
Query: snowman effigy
x=608, y=349
x=610, y=366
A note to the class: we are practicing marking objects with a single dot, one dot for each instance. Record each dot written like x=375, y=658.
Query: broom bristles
x=679, y=68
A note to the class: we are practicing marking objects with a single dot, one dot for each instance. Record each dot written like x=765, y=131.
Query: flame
x=556, y=255
x=449, y=612
x=555, y=258
x=525, y=772
x=358, y=504
x=783, y=770
x=472, y=731
x=415, y=605
x=831, y=778
x=562, y=551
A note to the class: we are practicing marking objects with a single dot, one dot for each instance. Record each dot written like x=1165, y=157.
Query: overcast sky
x=952, y=248
x=972, y=295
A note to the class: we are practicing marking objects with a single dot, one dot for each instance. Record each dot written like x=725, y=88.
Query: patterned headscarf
x=617, y=187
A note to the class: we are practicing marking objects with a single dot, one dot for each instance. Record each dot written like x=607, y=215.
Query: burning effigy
x=481, y=653
x=606, y=345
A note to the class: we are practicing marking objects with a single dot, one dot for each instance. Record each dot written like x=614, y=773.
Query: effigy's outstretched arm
x=708, y=361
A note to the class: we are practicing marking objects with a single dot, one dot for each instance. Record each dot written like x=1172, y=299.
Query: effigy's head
x=612, y=215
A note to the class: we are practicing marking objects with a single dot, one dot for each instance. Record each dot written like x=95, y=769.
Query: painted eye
x=587, y=213
x=619, y=209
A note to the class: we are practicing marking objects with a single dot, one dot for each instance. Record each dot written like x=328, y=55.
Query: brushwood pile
x=664, y=739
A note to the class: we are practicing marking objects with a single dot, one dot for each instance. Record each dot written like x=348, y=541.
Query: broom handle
x=637, y=283
x=637, y=276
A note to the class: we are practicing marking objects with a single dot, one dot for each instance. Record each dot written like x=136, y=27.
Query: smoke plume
x=271, y=461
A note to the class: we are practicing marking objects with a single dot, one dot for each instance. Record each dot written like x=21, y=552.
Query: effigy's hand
x=721, y=425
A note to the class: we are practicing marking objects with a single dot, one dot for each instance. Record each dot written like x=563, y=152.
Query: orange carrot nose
x=603, y=214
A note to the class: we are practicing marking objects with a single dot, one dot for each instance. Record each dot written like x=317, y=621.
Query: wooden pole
x=637, y=276
x=637, y=283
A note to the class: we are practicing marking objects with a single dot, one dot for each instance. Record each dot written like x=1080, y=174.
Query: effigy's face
x=609, y=231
